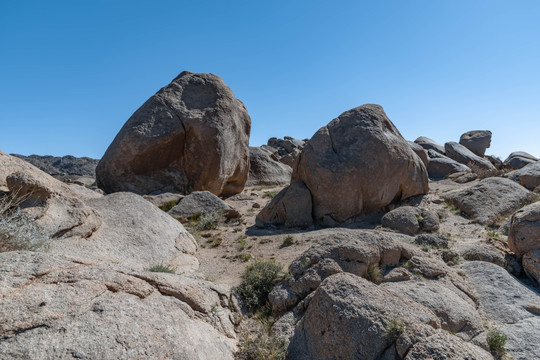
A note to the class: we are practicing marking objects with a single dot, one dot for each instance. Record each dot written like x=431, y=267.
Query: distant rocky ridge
x=62, y=165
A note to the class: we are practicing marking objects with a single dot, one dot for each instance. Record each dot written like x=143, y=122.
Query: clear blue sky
x=72, y=72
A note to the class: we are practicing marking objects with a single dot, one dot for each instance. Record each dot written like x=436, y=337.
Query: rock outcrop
x=202, y=202
x=524, y=231
x=463, y=155
x=191, y=135
x=519, y=159
x=476, y=141
x=62, y=165
x=411, y=220
x=53, y=306
x=528, y=176
x=265, y=169
x=285, y=150
x=440, y=166
x=429, y=144
x=356, y=164
x=488, y=201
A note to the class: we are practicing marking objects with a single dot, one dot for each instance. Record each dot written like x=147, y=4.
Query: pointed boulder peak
x=191, y=135
x=476, y=141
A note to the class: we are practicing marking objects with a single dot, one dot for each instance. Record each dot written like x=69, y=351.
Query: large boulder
x=202, y=202
x=357, y=321
x=191, y=135
x=55, y=307
x=463, y=155
x=264, y=170
x=440, y=166
x=419, y=150
x=488, y=201
x=358, y=163
x=519, y=159
x=524, y=231
x=410, y=220
x=291, y=207
x=429, y=144
x=477, y=141
x=528, y=176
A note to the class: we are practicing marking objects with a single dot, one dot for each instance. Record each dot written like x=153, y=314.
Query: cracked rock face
x=191, y=135
x=56, y=307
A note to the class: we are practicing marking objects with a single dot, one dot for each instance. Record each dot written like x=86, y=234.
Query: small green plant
x=262, y=347
x=263, y=187
x=208, y=221
x=257, y=282
x=496, y=341
x=305, y=262
x=373, y=273
x=453, y=208
x=162, y=269
x=270, y=194
x=214, y=241
x=426, y=248
x=493, y=234
x=394, y=329
x=244, y=257
x=242, y=241
x=288, y=241
x=18, y=230
x=168, y=205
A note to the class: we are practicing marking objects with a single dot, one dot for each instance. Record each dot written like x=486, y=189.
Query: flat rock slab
x=510, y=307
x=52, y=307
x=490, y=199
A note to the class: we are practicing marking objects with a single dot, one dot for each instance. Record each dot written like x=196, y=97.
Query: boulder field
x=388, y=249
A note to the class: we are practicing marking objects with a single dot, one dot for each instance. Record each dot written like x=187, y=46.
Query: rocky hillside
x=354, y=244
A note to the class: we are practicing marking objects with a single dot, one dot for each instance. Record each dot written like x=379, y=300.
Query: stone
x=429, y=144
x=488, y=201
x=133, y=233
x=446, y=346
x=531, y=264
x=519, y=159
x=528, y=176
x=435, y=240
x=463, y=155
x=509, y=306
x=56, y=307
x=164, y=200
x=524, y=231
x=404, y=219
x=457, y=313
x=357, y=320
x=463, y=177
x=291, y=207
x=442, y=166
x=476, y=141
x=419, y=150
x=202, y=202
x=495, y=160
x=192, y=135
x=266, y=171
x=357, y=164
x=484, y=251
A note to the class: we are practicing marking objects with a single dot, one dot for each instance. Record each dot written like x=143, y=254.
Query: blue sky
x=72, y=72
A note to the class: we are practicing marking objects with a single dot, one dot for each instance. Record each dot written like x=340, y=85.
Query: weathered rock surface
x=476, y=141
x=510, y=307
x=291, y=207
x=429, y=144
x=356, y=322
x=419, y=150
x=440, y=166
x=358, y=163
x=524, y=231
x=528, y=176
x=191, y=135
x=55, y=307
x=134, y=233
x=519, y=159
x=531, y=264
x=490, y=199
x=202, y=202
x=165, y=199
x=446, y=346
x=463, y=155
x=62, y=165
x=411, y=220
x=264, y=170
